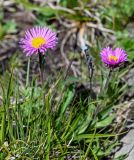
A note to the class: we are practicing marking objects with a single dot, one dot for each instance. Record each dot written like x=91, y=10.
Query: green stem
x=67, y=71
x=102, y=91
x=28, y=71
x=7, y=104
x=3, y=126
x=49, y=139
x=90, y=144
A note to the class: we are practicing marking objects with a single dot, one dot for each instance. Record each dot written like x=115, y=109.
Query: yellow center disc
x=111, y=57
x=37, y=42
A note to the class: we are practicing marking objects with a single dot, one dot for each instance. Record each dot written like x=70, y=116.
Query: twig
x=70, y=141
x=90, y=65
x=61, y=8
x=84, y=48
x=67, y=25
x=99, y=28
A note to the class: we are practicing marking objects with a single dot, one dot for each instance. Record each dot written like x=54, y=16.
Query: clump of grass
x=51, y=122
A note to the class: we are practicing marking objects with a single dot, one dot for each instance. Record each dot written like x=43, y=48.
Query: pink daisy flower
x=38, y=40
x=113, y=58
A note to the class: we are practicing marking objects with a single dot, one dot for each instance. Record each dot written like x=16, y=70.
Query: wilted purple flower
x=113, y=58
x=38, y=40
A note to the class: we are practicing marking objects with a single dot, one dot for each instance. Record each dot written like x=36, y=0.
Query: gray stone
x=128, y=145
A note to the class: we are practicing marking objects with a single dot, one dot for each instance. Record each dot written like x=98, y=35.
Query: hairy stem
x=41, y=68
x=107, y=80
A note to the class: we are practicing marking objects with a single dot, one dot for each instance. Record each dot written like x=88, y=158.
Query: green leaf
x=69, y=94
x=90, y=136
x=86, y=121
x=73, y=126
x=46, y=11
x=72, y=3
x=107, y=121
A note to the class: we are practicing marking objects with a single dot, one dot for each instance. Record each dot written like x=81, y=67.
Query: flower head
x=113, y=58
x=38, y=40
